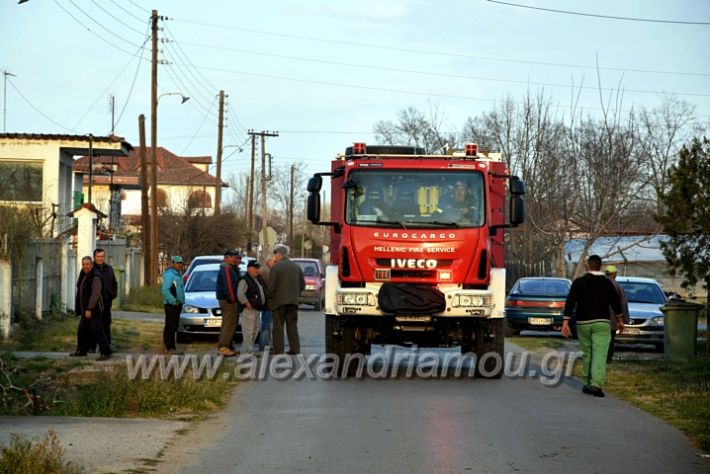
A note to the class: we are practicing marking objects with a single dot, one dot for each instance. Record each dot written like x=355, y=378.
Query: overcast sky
x=322, y=73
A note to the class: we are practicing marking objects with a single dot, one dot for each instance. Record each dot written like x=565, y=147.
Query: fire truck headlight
x=310, y=286
x=468, y=301
x=354, y=299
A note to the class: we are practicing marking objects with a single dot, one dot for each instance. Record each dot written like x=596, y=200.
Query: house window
x=199, y=199
x=20, y=181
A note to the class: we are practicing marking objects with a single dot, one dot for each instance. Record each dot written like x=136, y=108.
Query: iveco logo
x=414, y=235
x=412, y=263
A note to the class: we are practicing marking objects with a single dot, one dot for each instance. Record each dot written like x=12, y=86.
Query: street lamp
x=154, y=180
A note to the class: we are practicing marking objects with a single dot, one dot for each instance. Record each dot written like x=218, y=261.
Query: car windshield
x=204, y=261
x=556, y=288
x=309, y=269
x=202, y=281
x=415, y=199
x=641, y=292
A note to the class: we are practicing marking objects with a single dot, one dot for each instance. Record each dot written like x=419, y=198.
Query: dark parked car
x=645, y=297
x=315, y=282
x=536, y=303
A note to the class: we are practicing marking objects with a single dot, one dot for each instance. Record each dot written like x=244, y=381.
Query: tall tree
x=686, y=216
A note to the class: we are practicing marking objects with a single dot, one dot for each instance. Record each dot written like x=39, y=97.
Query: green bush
x=28, y=457
x=145, y=298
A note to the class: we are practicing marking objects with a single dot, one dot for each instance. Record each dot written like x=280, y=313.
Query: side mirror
x=517, y=210
x=517, y=186
x=313, y=205
x=315, y=184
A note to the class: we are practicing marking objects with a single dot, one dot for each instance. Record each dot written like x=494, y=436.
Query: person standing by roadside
x=88, y=304
x=227, y=285
x=265, y=339
x=173, y=298
x=252, y=297
x=110, y=292
x=592, y=295
x=286, y=283
x=611, y=273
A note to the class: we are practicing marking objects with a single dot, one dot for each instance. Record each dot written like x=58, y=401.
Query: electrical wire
x=135, y=77
x=426, y=73
x=116, y=18
x=92, y=31
x=138, y=6
x=434, y=53
x=204, y=118
x=37, y=109
x=142, y=20
x=608, y=17
x=102, y=26
x=187, y=58
x=116, y=78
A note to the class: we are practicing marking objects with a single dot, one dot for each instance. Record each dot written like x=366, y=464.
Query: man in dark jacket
x=227, y=284
x=284, y=288
x=88, y=304
x=591, y=295
x=110, y=292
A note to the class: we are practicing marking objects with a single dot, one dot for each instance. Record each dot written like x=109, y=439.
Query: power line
x=204, y=119
x=118, y=76
x=138, y=6
x=101, y=25
x=135, y=77
x=116, y=18
x=609, y=17
x=92, y=31
x=38, y=110
x=142, y=20
x=434, y=53
x=187, y=58
x=425, y=73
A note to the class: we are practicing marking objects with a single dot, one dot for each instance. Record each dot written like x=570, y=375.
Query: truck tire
x=490, y=347
x=318, y=305
x=342, y=345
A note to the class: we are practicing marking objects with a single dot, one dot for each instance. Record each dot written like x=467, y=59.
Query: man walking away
x=227, y=285
x=611, y=273
x=173, y=298
x=286, y=283
x=266, y=314
x=252, y=296
x=592, y=295
x=88, y=304
x=109, y=294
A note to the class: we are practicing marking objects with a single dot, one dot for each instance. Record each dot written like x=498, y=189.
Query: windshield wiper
x=446, y=224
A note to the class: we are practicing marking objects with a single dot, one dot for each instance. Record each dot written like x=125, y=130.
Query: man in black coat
x=109, y=293
x=88, y=305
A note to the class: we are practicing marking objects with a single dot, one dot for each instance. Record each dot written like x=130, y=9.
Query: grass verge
x=71, y=387
x=146, y=299
x=35, y=457
x=534, y=343
x=59, y=335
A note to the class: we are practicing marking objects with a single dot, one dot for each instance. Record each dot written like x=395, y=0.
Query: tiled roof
x=59, y=136
x=172, y=169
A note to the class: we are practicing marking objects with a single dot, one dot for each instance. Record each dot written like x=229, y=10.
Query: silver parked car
x=201, y=314
x=645, y=297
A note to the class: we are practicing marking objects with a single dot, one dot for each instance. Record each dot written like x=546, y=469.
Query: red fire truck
x=417, y=248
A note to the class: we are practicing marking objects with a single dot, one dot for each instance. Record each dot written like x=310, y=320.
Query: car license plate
x=213, y=323
x=540, y=321
x=631, y=331
x=413, y=319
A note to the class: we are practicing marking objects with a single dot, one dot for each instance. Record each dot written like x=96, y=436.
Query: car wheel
x=659, y=346
x=509, y=330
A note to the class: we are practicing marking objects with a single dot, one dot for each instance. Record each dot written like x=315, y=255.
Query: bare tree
x=416, y=129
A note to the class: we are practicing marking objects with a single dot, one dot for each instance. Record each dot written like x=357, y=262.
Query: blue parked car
x=536, y=303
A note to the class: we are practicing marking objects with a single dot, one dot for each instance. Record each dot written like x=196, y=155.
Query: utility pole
x=145, y=216
x=153, y=275
x=263, y=134
x=112, y=104
x=4, y=100
x=250, y=192
x=220, y=126
x=291, y=240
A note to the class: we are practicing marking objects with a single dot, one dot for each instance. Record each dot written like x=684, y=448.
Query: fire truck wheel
x=341, y=345
x=489, y=348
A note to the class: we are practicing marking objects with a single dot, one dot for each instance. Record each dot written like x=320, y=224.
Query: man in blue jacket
x=173, y=298
x=227, y=284
x=592, y=295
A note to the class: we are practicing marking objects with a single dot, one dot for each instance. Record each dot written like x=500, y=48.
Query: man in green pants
x=591, y=296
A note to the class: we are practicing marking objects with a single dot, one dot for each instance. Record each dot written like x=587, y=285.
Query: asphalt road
x=421, y=425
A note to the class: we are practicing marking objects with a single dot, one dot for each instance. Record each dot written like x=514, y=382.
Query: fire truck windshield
x=415, y=198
